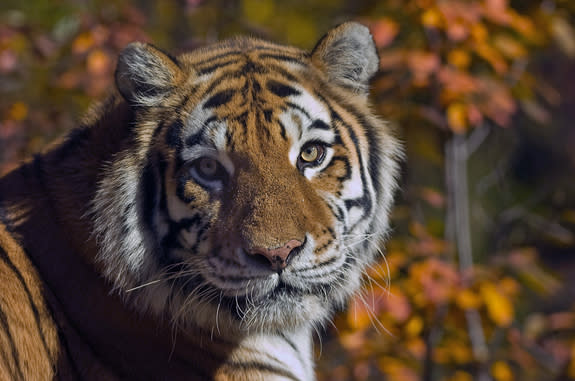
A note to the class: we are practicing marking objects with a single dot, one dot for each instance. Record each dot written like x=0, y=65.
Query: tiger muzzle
x=277, y=257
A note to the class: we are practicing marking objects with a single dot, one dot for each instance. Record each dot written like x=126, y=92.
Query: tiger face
x=259, y=185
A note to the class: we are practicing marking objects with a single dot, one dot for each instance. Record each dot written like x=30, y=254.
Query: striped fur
x=203, y=221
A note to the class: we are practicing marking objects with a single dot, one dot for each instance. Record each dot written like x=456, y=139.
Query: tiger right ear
x=145, y=75
x=347, y=54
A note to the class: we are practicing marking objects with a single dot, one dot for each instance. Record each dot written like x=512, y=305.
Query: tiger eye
x=310, y=153
x=208, y=167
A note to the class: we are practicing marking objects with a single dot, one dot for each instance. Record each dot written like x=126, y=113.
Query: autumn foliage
x=462, y=291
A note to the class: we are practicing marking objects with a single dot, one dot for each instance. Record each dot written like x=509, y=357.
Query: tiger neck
x=45, y=204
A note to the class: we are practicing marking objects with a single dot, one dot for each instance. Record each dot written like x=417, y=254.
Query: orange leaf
x=98, y=62
x=433, y=197
x=18, y=111
x=83, y=43
x=422, y=64
x=459, y=58
x=384, y=31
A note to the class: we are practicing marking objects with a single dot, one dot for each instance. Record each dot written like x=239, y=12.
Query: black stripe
x=217, y=57
x=261, y=367
x=174, y=133
x=35, y=312
x=290, y=343
x=282, y=57
x=281, y=89
x=170, y=241
x=222, y=78
x=283, y=72
x=346, y=164
x=14, y=355
x=172, y=111
x=214, y=67
x=374, y=161
x=320, y=125
x=300, y=109
x=197, y=137
x=252, y=67
x=365, y=200
x=219, y=99
x=149, y=190
x=361, y=202
x=283, y=130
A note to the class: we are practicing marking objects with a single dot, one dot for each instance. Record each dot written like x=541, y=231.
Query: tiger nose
x=277, y=257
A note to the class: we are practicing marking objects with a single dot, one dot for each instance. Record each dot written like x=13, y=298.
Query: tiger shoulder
x=203, y=220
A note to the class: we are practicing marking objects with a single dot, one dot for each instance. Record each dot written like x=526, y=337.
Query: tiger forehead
x=228, y=51
x=257, y=95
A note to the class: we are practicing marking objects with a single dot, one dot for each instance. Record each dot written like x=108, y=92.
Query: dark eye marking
x=173, y=134
x=320, y=125
x=219, y=99
x=281, y=89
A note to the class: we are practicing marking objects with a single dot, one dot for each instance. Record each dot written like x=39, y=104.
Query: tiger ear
x=145, y=75
x=347, y=54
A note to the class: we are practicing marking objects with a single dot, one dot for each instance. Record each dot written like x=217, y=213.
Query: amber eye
x=312, y=154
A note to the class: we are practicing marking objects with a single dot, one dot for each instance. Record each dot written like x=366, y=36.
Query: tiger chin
x=203, y=220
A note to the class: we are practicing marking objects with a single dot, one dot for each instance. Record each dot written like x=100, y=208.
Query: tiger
x=204, y=220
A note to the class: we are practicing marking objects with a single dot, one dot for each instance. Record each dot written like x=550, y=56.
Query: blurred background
x=478, y=279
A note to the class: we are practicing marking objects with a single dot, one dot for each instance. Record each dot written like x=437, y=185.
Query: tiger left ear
x=145, y=75
x=347, y=54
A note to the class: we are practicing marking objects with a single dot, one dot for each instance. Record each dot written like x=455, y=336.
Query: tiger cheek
x=317, y=217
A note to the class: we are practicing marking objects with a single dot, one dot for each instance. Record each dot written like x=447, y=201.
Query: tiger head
x=257, y=187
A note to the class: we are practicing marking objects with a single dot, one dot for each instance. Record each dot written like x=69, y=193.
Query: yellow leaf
x=501, y=371
x=431, y=18
x=457, y=117
x=509, y=47
x=468, y=300
x=460, y=352
x=479, y=33
x=18, y=111
x=499, y=307
x=459, y=58
x=491, y=55
x=564, y=35
x=414, y=326
x=416, y=347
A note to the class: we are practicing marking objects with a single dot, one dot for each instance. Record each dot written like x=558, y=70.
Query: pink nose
x=277, y=257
